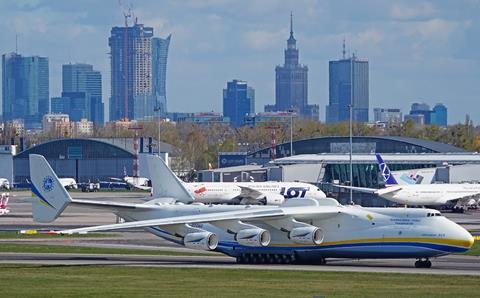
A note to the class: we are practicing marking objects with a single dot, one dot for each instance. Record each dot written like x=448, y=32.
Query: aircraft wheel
x=285, y=259
x=418, y=264
x=241, y=259
x=428, y=264
x=277, y=259
x=269, y=259
x=323, y=261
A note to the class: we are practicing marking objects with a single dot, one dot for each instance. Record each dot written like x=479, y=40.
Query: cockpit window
x=433, y=214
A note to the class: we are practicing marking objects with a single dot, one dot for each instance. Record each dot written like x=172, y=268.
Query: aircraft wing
x=249, y=193
x=359, y=189
x=375, y=191
x=247, y=214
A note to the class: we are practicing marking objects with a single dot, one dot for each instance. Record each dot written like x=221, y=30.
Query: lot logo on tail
x=48, y=183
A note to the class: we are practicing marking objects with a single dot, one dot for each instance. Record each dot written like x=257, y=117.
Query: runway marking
x=457, y=265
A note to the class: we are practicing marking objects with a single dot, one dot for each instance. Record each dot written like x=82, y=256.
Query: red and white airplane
x=258, y=193
x=3, y=203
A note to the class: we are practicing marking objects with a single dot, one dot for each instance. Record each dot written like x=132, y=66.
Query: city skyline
x=418, y=51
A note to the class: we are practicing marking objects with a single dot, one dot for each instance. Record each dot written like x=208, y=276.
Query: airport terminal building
x=84, y=159
x=325, y=160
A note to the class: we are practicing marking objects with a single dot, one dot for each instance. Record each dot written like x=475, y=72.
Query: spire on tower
x=291, y=23
x=343, y=51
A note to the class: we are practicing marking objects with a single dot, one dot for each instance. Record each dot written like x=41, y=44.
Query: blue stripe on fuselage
x=437, y=247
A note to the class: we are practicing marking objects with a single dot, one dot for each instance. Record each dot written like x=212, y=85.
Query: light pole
x=350, y=107
x=291, y=131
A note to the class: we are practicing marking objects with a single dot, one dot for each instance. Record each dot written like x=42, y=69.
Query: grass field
x=15, y=235
x=475, y=250
x=40, y=248
x=111, y=281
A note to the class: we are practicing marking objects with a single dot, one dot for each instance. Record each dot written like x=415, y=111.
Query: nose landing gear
x=423, y=263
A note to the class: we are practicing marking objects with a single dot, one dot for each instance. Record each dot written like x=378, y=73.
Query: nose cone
x=465, y=238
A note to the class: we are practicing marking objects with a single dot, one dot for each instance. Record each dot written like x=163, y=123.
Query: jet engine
x=306, y=235
x=201, y=240
x=272, y=199
x=253, y=237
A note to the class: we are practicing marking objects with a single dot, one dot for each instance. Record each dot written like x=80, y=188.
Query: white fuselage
x=355, y=232
x=432, y=194
x=137, y=182
x=225, y=192
x=68, y=183
x=4, y=183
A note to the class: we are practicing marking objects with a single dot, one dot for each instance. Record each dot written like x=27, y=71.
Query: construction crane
x=127, y=13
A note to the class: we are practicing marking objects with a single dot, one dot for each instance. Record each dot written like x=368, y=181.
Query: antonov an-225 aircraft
x=300, y=230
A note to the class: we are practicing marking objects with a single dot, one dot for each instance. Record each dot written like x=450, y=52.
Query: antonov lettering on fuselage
x=300, y=229
x=458, y=195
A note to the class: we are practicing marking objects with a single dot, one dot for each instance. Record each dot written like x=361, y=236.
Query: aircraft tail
x=386, y=173
x=53, y=198
x=165, y=183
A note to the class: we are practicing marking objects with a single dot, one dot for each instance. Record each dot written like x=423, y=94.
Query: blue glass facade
x=82, y=92
x=439, y=115
x=238, y=101
x=159, y=72
x=25, y=88
x=422, y=109
x=130, y=58
x=344, y=75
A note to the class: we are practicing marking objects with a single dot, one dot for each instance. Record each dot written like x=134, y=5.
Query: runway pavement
x=451, y=265
x=20, y=218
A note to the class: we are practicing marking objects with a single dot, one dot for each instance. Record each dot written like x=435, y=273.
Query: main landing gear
x=423, y=263
x=249, y=258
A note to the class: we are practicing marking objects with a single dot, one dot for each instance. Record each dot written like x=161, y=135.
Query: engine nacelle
x=272, y=199
x=306, y=235
x=201, y=240
x=253, y=237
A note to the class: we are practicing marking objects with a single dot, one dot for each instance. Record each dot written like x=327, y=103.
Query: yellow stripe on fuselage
x=444, y=241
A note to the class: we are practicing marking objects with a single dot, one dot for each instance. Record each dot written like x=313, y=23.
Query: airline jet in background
x=263, y=193
x=458, y=196
x=253, y=193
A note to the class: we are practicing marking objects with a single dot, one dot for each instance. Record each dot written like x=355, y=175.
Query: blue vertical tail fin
x=386, y=173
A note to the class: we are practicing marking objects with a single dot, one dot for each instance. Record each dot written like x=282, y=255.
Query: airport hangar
x=325, y=160
x=84, y=159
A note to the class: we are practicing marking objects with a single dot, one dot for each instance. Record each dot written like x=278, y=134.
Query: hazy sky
x=418, y=50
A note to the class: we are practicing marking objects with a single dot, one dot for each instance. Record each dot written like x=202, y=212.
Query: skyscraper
x=131, y=72
x=83, y=85
x=348, y=85
x=291, y=83
x=439, y=115
x=238, y=101
x=387, y=115
x=159, y=72
x=421, y=109
x=25, y=88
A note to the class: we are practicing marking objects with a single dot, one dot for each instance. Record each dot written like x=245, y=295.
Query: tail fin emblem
x=48, y=183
